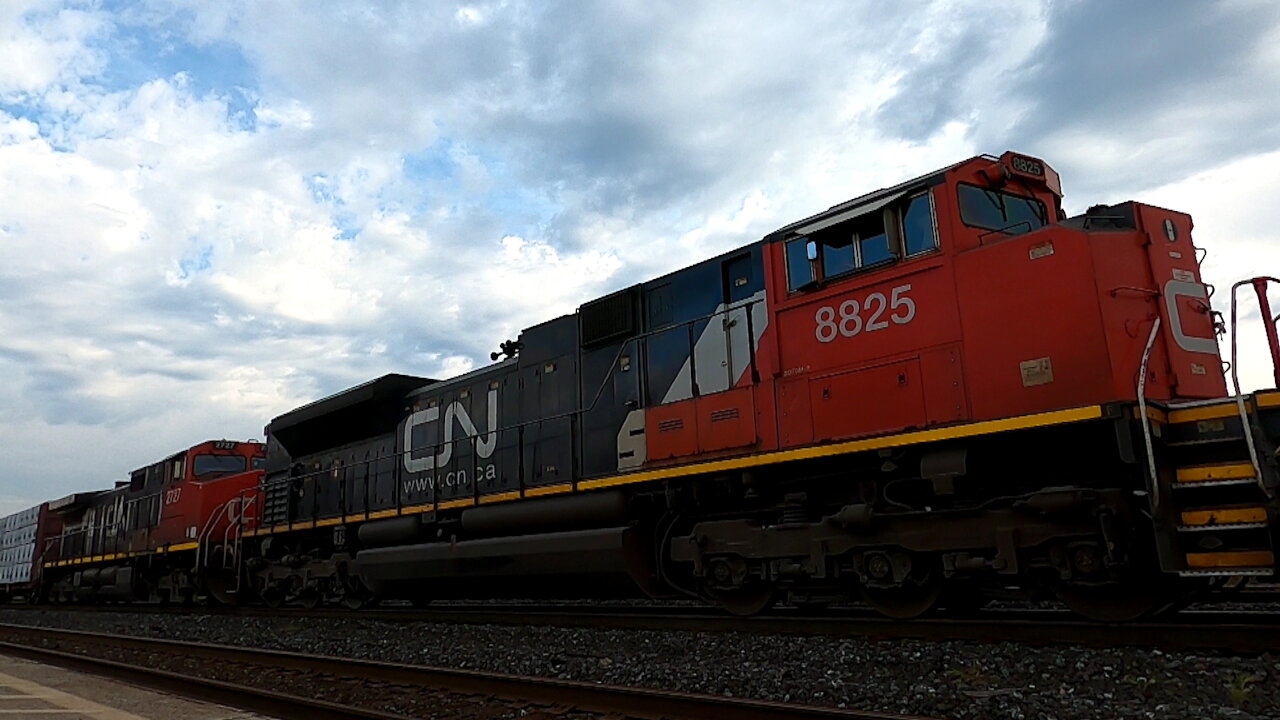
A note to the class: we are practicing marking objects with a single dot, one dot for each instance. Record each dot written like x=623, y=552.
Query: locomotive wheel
x=357, y=601
x=916, y=595
x=309, y=598
x=963, y=599
x=218, y=589
x=219, y=582
x=1108, y=602
x=272, y=596
x=355, y=596
x=744, y=601
x=903, y=602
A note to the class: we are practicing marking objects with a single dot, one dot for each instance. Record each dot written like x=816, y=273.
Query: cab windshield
x=1000, y=211
x=218, y=464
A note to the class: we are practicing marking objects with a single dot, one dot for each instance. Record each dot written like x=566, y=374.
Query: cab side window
x=897, y=228
x=918, y=232
x=873, y=241
x=799, y=269
x=837, y=254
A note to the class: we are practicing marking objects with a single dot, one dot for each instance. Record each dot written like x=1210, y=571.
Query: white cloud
x=415, y=183
x=42, y=44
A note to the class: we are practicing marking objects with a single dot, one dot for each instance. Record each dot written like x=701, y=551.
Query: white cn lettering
x=485, y=444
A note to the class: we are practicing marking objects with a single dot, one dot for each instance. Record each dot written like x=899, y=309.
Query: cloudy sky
x=211, y=213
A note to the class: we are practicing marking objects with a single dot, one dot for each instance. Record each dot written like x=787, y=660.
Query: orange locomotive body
x=956, y=297
x=1015, y=313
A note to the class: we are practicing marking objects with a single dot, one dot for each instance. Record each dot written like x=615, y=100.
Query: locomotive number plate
x=1027, y=165
x=848, y=320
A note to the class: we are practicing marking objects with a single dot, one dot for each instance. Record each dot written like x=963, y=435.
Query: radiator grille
x=608, y=318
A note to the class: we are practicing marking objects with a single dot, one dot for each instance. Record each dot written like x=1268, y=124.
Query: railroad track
x=1247, y=633
x=327, y=687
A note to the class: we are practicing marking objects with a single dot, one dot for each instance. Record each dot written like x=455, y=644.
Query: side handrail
x=1154, y=488
x=1264, y=306
x=1269, y=322
x=746, y=307
x=202, y=552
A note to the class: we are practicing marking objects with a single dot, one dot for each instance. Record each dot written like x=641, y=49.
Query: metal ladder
x=1221, y=491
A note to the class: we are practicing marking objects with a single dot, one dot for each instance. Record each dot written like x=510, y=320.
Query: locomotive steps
x=1220, y=504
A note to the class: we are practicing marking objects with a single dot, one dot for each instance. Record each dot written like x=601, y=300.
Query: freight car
x=22, y=537
x=158, y=536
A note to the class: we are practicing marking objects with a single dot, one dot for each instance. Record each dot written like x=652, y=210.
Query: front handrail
x=1269, y=324
x=1146, y=421
x=1260, y=288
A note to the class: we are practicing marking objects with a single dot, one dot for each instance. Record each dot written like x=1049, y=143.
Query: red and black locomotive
x=926, y=395
x=914, y=397
x=161, y=535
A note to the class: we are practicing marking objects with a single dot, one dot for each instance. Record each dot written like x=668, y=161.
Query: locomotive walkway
x=324, y=687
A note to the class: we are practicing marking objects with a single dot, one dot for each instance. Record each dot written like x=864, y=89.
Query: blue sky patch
x=138, y=53
x=193, y=265
x=434, y=163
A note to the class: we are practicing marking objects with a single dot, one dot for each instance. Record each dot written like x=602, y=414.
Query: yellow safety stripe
x=1023, y=422
x=1267, y=399
x=500, y=497
x=1204, y=473
x=1224, y=516
x=1155, y=414
x=1236, y=559
x=1225, y=409
x=548, y=490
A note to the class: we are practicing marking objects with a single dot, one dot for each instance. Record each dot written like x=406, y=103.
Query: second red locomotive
x=163, y=534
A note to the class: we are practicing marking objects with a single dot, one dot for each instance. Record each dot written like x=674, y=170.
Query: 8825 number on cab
x=874, y=312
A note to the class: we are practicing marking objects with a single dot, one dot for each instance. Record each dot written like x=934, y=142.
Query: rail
x=1227, y=629
x=363, y=685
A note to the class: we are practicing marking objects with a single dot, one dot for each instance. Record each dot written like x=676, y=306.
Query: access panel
x=867, y=401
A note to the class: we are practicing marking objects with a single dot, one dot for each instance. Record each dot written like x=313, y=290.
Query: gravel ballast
x=943, y=679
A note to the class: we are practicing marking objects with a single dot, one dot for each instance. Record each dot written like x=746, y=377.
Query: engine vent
x=726, y=414
x=608, y=318
x=671, y=425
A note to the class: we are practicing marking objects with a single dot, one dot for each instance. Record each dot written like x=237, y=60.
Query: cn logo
x=454, y=412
